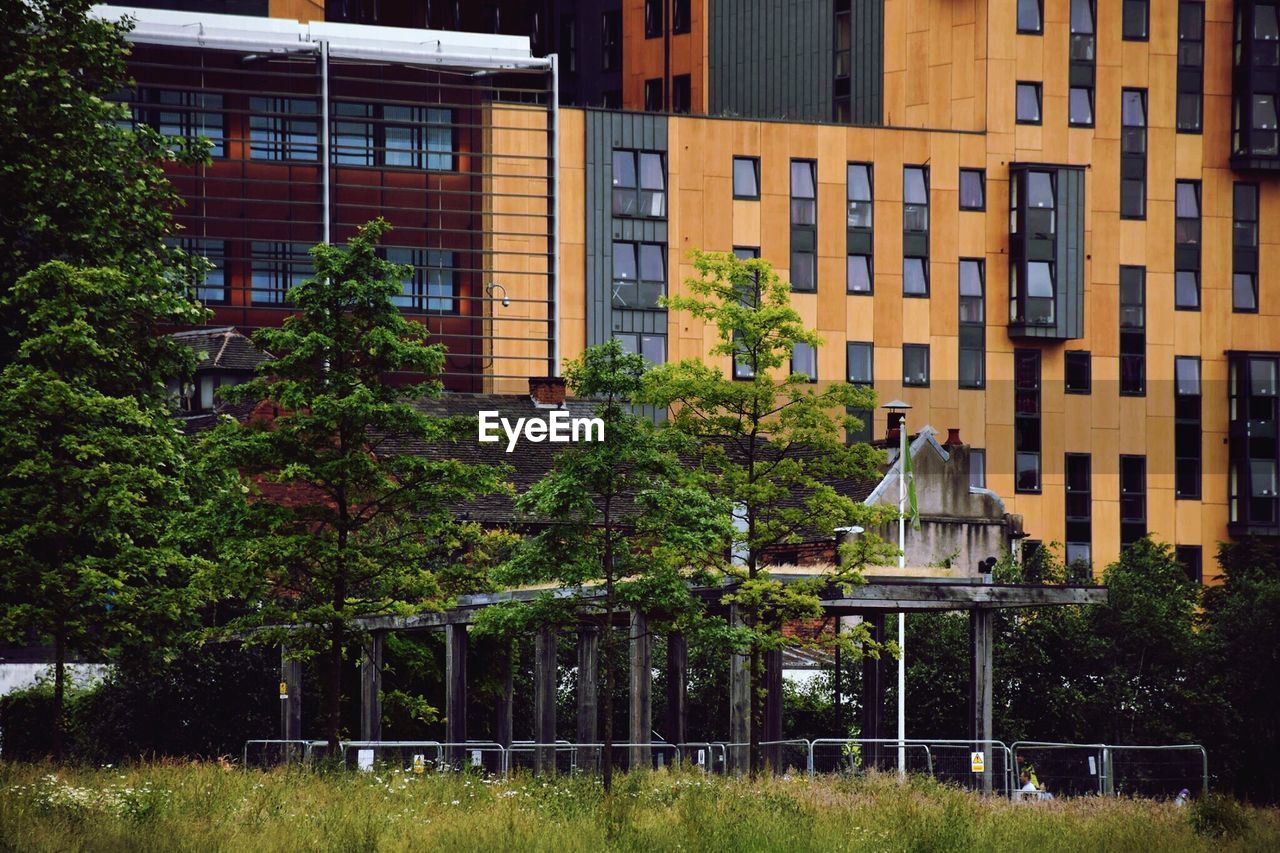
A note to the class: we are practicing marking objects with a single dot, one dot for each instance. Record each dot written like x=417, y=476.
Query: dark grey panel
x=866, y=82
x=1068, y=256
x=772, y=58
x=606, y=131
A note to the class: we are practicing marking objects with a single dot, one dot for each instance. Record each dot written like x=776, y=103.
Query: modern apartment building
x=1048, y=223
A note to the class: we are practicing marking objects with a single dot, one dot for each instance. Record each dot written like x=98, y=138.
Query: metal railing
x=1159, y=770
x=284, y=751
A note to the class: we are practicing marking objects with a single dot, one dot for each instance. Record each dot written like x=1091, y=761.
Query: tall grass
x=175, y=807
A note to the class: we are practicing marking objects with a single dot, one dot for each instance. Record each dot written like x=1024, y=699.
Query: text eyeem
x=558, y=427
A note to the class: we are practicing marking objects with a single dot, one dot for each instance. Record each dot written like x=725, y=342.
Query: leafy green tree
x=625, y=524
x=93, y=471
x=771, y=444
x=347, y=518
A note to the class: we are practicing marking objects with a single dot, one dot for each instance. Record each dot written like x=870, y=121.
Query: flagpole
x=902, y=629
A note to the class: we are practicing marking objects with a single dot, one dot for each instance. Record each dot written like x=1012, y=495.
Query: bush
x=1219, y=816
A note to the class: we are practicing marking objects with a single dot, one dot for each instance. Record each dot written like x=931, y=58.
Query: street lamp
x=898, y=413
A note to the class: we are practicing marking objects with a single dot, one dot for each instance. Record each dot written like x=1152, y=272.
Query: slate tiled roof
x=223, y=347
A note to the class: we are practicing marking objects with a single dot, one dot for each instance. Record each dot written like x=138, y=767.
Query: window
x=394, y=136
x=568, y=44
x=973, y=189
x=430, y=285
x=183, y=116
x=915, y=365
x=861, y=360
x=804, y=359
x=639, y=274
x=1133, y=331
x=639, y=184
x=1026, y=420
x=743, y=363
x=1186, y=427
x=1244, y=240
x=915, y=231
x=209, y=285
x=611, y=41
x=652, y=347
x=977, y=468
x=1077, y=370
x=1080, y=106
x=682, y=94
x=746, y=177
x=1134, y=25
x=1133, y=153
x=1079, y=514
x=1133, y=499
x=860, y=218
x=275, y=268
x=653, y=18
x=284, y=129
x=1186, y=294
x=804, y=225
x=972, y=313
x=1032, y=293
x=1028, y=103
x=653, y=95
x=1030, y=18
x=1190, y=66
x=1192, y=559
x=1253, y=447
x=1082, y=54
x=681, y=21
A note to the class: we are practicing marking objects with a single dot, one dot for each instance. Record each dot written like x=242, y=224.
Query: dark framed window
x=1082, y=54
x=611, y=42
x=1244, y=248
x=1133, y=499
x=1077, y=372
x=1192, y=559
x=653, y=18
x=977, y=468
x=652, y=347
x=432, y=282
x=804, y=360
x=1080, y=106
x=639, y=275
x=1190, y=109
x=804, y=225
x=208, y=285
x=568, y=44
x=681, y=20
x=274, y=268
x=915, y=365
x=1028, y=103
x=180, y=115
x=860, y=369
x=1136, y=20
x=743, y=365
x=972, y=325
x=392, y=136
x=746, y=178
x=639, y=184
x=1187, y=426
x=1133, y=331
x=1133, y=154
x=682, y=94
x=1186, y=249
x=1078, y=471
x=284, y=129
x=915, y=231
x=1030, y=17
x=1026, y=420
x=1032, y=283
x=973, y=189
x=1254, y=450
x=860, y=219
x=653, y=95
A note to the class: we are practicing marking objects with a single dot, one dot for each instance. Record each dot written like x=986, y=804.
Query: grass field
x=177, y=807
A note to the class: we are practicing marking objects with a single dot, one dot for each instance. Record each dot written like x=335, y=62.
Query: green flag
x=909, y=477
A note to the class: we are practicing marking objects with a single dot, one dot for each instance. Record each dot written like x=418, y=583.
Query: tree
x=349, y=517
x=624, y=524
x=79, y=185
x=771, y=445
x=93, y=471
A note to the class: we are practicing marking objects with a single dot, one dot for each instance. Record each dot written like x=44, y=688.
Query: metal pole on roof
x=902, y=621
x=325, y=161
x=554, y=236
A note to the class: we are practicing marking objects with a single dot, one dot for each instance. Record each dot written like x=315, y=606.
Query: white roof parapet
x=346, y=41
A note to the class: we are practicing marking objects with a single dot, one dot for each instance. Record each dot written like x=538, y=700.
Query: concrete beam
x=545, y=683
x=455, y=689
x=588, y=692
x=982, y=633
x=371, y=689
x=677, y=721
x=874, y=690
x=772, y=709
x=641, y=694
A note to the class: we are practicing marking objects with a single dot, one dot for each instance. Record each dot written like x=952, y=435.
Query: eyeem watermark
x=558, y=428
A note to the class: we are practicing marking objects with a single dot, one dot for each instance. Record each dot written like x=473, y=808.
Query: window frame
x=808, y=231
x=1140, y=495
x=812, y=353
x=1135, y=161
x=850, y=347
x=1025, y=421
x=1037, y=89
x=1125, y=20
x=1038, y=29
x=919, y=349
x=1190, y=75
x=654, y=18
x=1250, y=253
x=1135, y=332
x=1083, y=496
x=977, y=328
x=982, y=188
x=1080, y=355
x=639, y=191
x=638, y=251
x=1183, y=248
x=755, y=176
x=1188, y=412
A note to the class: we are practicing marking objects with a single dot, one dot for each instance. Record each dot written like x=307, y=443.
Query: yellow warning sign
x=419, y=763
x=978, y=761
x=284, y=690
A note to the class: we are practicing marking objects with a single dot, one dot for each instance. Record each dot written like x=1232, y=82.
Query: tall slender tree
x=772, y=445
x=348, y=518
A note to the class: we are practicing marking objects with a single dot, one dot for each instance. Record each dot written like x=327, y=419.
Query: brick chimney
x=547, y=392
x=893, y=427
x=953, y=438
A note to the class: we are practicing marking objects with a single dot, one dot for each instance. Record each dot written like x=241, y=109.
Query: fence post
x=641, y=716
x=588, y=690
x=544, y=710
x=739, y=703
x=503, y=706
x=455, y=702
x=290, y=700
x=773, y=709
x=873, y=695
x=981, y=629
x=371, y=689
x=677, y=722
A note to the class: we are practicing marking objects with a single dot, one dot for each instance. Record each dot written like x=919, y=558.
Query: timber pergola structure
x=881, y=595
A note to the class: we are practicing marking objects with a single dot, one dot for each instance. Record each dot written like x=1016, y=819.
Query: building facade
x=1047, y=223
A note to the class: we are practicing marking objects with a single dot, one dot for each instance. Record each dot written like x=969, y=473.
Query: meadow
x=211, y=806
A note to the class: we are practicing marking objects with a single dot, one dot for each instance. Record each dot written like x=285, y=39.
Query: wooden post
x=773, y=709
x=504, y=664
x=873, y=695
x=545, y=682
x=982, y=630
x=641, y=716
x=371, y=689
x=677, y=725
x=738, y=757
x=290, y=705
x=455, y=690
x=588, y=694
